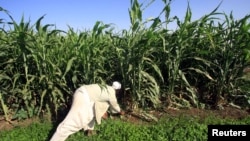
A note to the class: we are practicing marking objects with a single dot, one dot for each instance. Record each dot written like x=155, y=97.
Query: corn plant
x=230, y=57
x=134, y=51
x=174, y=54
x=220, y=55
x=31, y=70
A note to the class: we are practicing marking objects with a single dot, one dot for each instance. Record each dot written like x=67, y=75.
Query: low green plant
x=167, y=128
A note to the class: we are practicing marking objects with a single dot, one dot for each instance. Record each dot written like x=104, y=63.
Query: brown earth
x=227, y=112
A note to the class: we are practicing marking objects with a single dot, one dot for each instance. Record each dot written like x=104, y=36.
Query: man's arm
x=114, y=107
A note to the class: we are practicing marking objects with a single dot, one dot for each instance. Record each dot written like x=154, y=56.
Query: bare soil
x=226, y=113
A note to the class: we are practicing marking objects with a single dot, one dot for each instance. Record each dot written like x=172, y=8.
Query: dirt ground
x=228, y=112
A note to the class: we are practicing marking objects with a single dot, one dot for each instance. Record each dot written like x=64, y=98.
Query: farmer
x=90, y=104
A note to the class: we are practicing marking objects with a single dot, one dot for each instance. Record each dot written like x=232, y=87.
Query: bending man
x=90, y=103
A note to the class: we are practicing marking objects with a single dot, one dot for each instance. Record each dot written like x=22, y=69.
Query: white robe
x=90, y=102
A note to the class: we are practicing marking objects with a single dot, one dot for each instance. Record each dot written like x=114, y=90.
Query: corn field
x=203, y=63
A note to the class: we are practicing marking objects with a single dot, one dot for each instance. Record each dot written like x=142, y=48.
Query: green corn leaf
x=69, y=64
x=202, y=72
x=38, y=23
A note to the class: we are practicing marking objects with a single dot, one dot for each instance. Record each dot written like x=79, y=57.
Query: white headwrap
x=116, y=85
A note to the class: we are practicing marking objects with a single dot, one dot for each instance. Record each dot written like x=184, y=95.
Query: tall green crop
x=201, y=62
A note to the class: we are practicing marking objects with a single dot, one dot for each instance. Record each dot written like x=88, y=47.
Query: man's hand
x=122, y=112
